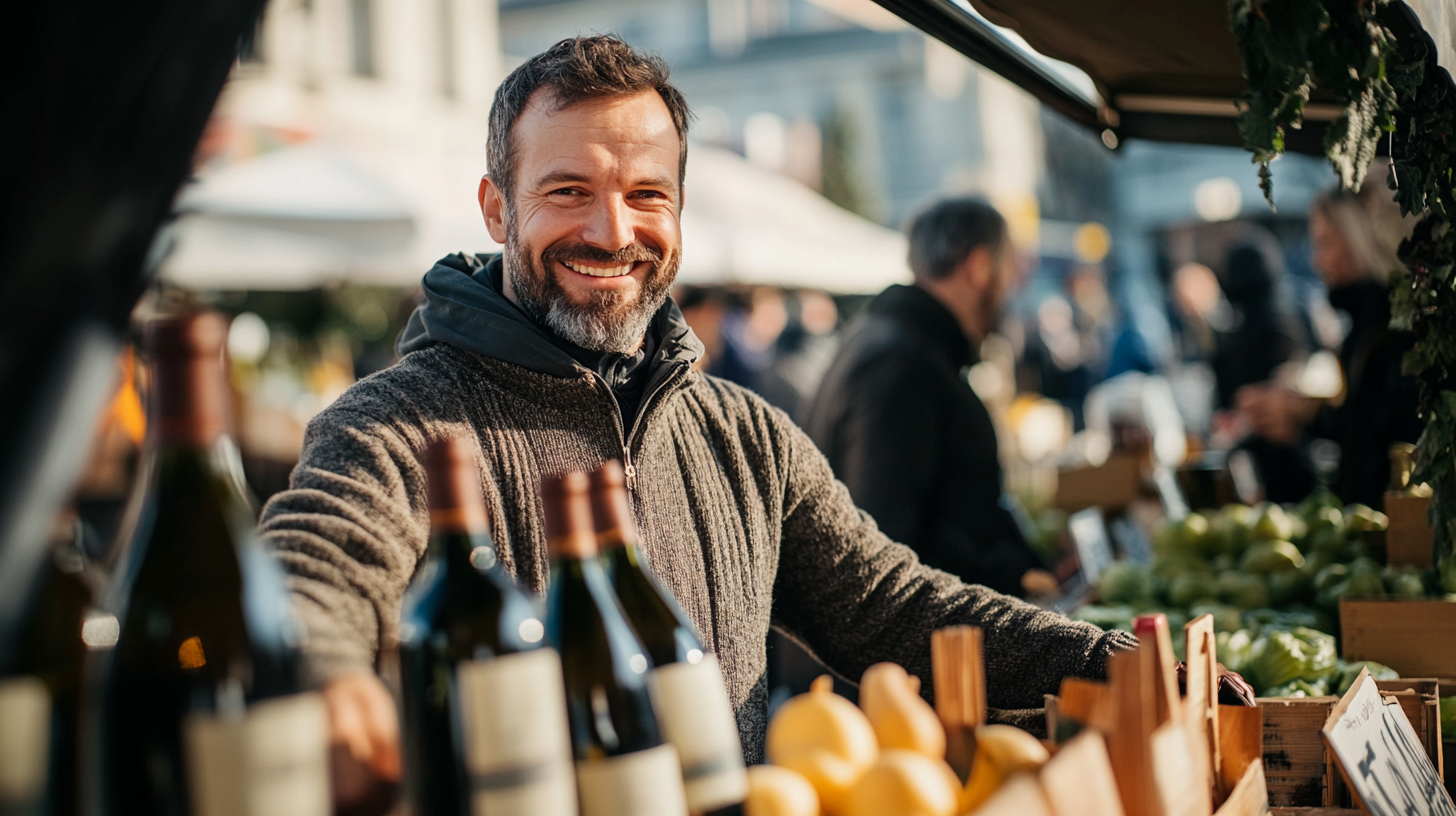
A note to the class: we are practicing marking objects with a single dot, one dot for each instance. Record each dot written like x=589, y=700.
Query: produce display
x=1272, y=578
x=832, y=758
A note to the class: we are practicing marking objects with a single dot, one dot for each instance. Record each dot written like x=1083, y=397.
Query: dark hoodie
x=462, y=297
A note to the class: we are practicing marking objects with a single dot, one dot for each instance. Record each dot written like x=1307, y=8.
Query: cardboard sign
x=1381, y=758
x=1094, y=548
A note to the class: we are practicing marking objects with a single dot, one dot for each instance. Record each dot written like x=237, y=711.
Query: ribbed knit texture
x=740, y=517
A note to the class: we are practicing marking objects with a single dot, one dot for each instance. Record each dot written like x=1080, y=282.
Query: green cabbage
x=1348, y=673
x=1283, y=657
x=1188, y=588
x=1299, y=688
x=1271, y=556
x=1124, y=582
x=1241, y=589
x=1107, y=617
x=1448, y=715
x=1235, y=649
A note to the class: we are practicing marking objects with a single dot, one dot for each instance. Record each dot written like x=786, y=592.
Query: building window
x=361, y=37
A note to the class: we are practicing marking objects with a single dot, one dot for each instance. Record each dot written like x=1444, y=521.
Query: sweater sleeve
x=348, y=532
x=855, y=598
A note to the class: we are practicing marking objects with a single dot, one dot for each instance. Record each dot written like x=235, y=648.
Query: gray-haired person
x=563, y=352
x=896, y=416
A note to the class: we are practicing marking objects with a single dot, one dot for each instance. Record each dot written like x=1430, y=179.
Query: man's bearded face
x=599, y=319
x=592, y=232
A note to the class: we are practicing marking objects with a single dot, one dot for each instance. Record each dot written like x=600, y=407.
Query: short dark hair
x=943, y=234
x=575, y=70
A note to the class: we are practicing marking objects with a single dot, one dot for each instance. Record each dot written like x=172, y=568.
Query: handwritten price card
x=1381, y=757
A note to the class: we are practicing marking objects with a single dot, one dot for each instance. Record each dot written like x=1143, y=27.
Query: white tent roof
x=301, y=216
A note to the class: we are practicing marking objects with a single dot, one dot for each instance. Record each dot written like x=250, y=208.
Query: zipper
x=627, y=435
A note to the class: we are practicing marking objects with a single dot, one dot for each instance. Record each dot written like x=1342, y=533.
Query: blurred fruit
x=1187, y=589
x=1001, y=751
x=905, y=783
x=1405, y=582
x=890, y=698
x=1124, y=582
x=1289, y=587
x=1241, y=589
x=824, y=737
x=1364, y=518
x=1329, y=577
x=1271, y=556
x=1273, y=524
x=776, y=791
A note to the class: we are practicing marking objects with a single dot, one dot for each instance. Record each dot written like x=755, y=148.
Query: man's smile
x=601, y=271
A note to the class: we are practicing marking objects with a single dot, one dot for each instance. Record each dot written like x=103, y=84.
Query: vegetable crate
x=1416, y=637
x=1299, y=768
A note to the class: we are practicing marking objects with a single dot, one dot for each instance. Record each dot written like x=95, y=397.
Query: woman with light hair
x=1354, y=238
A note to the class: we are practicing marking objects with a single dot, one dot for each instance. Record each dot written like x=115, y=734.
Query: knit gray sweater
x=740, y=516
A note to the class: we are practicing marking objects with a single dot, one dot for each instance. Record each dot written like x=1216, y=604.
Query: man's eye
x=565, y=191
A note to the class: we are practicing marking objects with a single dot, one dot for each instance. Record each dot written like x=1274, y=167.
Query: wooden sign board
x=1381, y=757
x=1112, y=485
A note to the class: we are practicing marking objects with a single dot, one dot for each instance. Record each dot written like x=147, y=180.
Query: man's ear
x=978, y=270
x=493, y=209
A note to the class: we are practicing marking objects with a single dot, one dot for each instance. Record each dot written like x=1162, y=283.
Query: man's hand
x=363, y=742
x=1275, y=413
x=1040, y=584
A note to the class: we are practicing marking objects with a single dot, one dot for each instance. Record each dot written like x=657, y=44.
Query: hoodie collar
x=462, y=306
x=921, y=312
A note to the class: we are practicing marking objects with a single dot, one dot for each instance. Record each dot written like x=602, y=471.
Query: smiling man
x=564, y=352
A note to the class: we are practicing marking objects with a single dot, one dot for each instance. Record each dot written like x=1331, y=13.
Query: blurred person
x=1260, y=337
x=802, y=353
x=898, y=420
x=564, y=351
x=748, y=335
x=1354, y=239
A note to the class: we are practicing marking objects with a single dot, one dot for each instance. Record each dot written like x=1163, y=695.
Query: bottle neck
x=462, y=551
x=189, y=401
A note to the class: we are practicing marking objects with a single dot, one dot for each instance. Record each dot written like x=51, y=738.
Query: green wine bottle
x=40, y=694
x=484, y=709
x=200, y=710
x=687, y=686
x=623, y=766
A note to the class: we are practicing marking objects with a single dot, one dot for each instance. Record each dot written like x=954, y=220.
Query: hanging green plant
x=1387, y=85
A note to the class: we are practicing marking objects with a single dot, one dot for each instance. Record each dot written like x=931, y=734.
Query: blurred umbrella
x=743, y=224
x=291, y=219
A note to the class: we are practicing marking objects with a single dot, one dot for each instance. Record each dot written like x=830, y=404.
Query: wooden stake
x=960, y=692
x=1201, y=702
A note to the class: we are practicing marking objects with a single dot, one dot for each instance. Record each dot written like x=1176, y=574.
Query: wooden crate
x=1297, y=766
x=1112, y=485
x=1419, y=699
x=1416, y=638
x=1408, y=539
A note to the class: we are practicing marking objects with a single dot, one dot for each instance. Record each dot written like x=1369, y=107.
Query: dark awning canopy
x=1164, y=70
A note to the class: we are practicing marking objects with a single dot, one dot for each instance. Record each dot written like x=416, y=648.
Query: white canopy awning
x=302, y=216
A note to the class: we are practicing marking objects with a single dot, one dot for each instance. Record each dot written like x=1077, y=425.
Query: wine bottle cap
x=610, y=509
x=452, y=486
x=567, y=504
x=189, y=391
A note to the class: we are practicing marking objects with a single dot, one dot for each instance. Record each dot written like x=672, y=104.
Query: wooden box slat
x=1416, y=638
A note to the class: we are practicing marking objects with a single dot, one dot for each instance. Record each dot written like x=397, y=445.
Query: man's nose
x=610, y=226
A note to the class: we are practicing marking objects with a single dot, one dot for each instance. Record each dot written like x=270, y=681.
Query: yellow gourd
x=774, y=791
x=825, y=738
x=901, y=718
x=905, y=783
x=1001, y=751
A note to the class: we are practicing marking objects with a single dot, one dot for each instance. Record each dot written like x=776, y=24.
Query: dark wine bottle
x=484, y=713
x=40, y=694
x=687, y=686
x=623, y=766
x=200, y=710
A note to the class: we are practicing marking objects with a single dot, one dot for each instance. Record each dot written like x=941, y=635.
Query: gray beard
x=609, y=322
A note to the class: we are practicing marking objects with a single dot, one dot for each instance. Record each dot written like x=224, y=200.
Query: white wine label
x=271, y=761
x=25, y=730
x=644, y=783
x=512, y=711
x=696, y=717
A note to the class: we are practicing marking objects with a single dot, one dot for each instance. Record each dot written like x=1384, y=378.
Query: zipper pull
x=628, y=470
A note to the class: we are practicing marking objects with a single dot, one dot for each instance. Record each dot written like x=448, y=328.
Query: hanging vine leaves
x=1386, y=84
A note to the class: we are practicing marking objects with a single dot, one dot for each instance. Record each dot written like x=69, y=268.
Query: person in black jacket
x=897, y=418
x=1353, y=238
